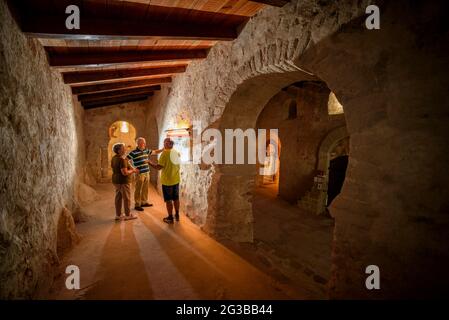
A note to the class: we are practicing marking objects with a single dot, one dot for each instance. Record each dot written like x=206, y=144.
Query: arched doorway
x=335, y=146
x=276, y=225
x=243, y=215
x=243, y=113
x=339, y=157
x=123, y=132
x=230, y=213
x=281, y=228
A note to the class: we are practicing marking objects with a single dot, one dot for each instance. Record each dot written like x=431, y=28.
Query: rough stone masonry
x=38, y=162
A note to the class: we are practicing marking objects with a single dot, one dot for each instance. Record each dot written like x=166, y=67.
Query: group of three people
x=138, y=162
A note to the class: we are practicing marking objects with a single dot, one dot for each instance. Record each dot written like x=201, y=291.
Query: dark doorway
x=337, y=173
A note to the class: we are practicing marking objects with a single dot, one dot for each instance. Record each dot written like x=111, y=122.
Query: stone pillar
x=230, y=213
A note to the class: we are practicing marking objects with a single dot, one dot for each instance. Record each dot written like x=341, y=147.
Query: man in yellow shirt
x=170, y=178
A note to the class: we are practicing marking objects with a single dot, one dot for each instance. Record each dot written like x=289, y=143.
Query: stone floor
x=290, y=245
x=148, y=259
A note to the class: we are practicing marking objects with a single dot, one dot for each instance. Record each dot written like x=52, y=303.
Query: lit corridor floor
x=148, y=259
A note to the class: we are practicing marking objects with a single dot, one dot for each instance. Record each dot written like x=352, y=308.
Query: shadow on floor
x=121, y=273
x=148, y=259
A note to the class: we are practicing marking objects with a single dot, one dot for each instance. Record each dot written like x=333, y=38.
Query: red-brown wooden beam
x=115, y=100
x=101, y=75
x=108, y=29
x=117, y=93
x=118, y=85
x=117, y=57
x=122, y=20
x=274, y=3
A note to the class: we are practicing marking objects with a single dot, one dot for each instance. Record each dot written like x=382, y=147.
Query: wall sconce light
x=178, y=132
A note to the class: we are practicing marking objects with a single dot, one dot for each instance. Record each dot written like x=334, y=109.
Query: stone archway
x=331, y=139
x=230, y=209
x=230, y=214
x=329, y=142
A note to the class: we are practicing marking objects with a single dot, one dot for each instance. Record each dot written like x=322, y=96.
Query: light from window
x=124, y=127
x=333, y=106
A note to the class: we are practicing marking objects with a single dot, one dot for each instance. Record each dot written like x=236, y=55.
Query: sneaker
x=177, y=217
x=147, y=205
x=138, y=208
x=130, y=217
x=168, y=220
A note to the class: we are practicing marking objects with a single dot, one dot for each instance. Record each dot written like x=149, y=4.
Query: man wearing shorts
x=169, y=165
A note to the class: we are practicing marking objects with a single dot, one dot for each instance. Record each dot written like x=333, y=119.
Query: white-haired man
x=139, y=159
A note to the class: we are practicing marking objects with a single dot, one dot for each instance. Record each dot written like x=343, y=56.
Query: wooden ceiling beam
x=117, y=93
x=39, y=26
x=115, y=100
x=124, y=20
x=274, y=3
x=118, y=85
x=101, y=75
x=105, y=58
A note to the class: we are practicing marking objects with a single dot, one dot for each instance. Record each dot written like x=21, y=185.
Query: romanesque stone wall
x=38, y=161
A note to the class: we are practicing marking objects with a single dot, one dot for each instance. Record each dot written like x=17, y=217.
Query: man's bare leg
x=169, y=206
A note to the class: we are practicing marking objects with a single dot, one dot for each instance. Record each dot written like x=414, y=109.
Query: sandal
x=168, y=220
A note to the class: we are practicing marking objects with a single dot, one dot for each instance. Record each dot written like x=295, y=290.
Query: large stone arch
x=381, y=213
x=230, y=214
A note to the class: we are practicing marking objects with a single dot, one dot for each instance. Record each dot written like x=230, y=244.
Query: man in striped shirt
x=139, y=159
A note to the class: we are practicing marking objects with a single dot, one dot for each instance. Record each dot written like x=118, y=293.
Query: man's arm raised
x=157, y=151
x=155, y=165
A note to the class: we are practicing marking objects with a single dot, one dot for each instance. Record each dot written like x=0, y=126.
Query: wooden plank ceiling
x=125, y=50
